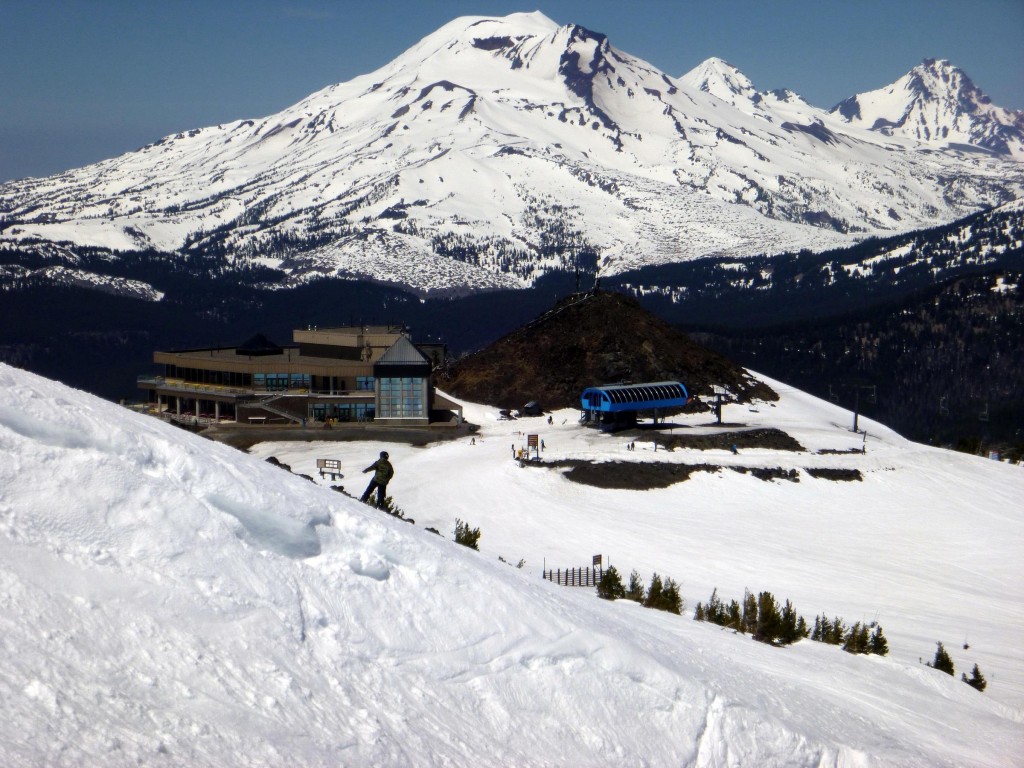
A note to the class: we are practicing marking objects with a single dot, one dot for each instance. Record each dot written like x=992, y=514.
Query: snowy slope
x=497, y=149
x=170, y=601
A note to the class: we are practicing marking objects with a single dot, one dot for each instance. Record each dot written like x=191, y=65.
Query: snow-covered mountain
x=171, y=601
x=937, y=104
x=497, y=149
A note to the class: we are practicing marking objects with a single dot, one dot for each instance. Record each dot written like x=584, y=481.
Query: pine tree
x=878, y=645
x=714, y=611
x=769, y=620
x=610, y=586
x=792, y=626
x=466, y=536
x=816, y=634
x=732, y=618
x=942, y=660
x=748, y=623
x=977, y=680
x=654, y=596
x=635, y=590
x=856, y=640
x=837, y=631
x=698, y=613
x=672, y=600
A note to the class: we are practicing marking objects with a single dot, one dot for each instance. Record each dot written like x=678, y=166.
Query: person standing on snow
x=382, y=474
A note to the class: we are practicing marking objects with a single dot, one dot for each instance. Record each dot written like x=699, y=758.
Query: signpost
x=533, y=444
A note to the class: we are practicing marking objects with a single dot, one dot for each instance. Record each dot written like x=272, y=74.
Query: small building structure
x=616, y=406
x=363, y=374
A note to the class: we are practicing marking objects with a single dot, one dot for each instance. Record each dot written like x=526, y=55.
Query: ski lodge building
x=367, y=374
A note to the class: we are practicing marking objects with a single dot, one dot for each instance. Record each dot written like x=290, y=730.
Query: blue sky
x=83, y=80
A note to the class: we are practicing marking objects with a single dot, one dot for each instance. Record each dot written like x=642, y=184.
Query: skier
x=382, y=474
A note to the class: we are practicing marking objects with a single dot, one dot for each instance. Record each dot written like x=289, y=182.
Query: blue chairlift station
x=615, y=406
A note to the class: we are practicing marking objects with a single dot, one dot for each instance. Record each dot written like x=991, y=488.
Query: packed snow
x=168, y=600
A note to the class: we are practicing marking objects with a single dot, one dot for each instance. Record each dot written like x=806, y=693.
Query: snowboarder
x=734, y=449
x=382, y=474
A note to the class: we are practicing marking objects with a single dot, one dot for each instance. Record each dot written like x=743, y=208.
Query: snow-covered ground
x=171, y=601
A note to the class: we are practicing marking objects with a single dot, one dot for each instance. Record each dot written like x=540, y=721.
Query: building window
x=271, y=382
x=364, y=383
x=402, y=397
x=341, y=412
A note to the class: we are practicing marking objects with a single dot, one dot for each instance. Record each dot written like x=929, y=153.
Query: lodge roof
x=403, y=352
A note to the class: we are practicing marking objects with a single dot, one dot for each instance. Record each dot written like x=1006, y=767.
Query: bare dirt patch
x=828, y=473
x=625, y=475
x=769, y=473
x=769, y=437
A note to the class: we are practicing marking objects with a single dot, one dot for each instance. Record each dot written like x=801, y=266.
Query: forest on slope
x=944, y=367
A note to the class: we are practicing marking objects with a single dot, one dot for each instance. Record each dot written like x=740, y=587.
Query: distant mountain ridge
x=497, y=150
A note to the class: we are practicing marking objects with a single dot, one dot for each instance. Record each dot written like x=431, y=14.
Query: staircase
x=266, y=406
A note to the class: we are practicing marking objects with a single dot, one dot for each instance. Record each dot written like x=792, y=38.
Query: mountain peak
x=936, y=102
x=720, y=79
x=937, y=79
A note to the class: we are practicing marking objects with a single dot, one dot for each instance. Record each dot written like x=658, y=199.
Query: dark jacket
x=383, y=471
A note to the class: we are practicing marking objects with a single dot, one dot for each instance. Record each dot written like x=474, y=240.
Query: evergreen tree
x=816, y=634
x=610, y=586
x=732, y=618
x=466, y=536
x=878, y=645
x=635, y=590
x=748, y=623
x=714, y=609
x=942, y=660
x=790, y=625
x=653, y=599
x=673, y=602
x=977, y=680
x=852, y=641
x=698, y=613
x=769, y=620
x=837, y=631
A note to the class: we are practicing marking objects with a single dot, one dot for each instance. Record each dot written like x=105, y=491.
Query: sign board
x=532, y=441
x=597, y=560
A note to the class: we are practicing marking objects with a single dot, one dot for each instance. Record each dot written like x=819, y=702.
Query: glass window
x=402, y=397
